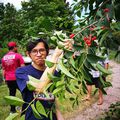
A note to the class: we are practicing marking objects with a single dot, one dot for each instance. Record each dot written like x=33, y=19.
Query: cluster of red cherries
x=88, y=39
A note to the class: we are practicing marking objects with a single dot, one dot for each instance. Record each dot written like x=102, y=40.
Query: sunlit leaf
x=57, y=90
x=22, y=117
x=49, y=64
x=60, y=83
x=51, y=115
x=12, y=116
x=35, y=112
x=33, y=79
x=40, y=108
x=65, y=70
x=72, y=62
x=12, y=100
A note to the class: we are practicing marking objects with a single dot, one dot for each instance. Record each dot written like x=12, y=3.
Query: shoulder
x=23, y=69
x=18, y=54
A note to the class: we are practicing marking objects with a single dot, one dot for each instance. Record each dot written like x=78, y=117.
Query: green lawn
x=4, y=108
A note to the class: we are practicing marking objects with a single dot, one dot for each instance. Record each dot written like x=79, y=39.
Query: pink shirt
x=10, y=62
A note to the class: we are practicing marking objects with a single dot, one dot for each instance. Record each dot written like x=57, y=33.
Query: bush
x=1, y=77
x=113, y=113
x=3, y=51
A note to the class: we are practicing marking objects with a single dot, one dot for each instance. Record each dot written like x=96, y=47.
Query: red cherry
x=94, y=38
x=72, y=35
x=85, y=38
x=106, y=10
x=88, y=42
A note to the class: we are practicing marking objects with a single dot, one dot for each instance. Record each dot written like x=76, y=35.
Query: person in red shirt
x=10, y=62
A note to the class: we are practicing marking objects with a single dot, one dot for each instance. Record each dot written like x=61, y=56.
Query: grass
x=4, y=108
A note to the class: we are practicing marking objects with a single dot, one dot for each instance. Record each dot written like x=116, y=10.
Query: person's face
x=38, y=54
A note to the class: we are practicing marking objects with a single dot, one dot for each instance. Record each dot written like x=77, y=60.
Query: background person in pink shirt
x=10, y=62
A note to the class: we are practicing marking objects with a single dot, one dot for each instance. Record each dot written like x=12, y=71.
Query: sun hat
x=12, y=44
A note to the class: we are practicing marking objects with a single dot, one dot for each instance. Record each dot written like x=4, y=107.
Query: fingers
x=69, y=44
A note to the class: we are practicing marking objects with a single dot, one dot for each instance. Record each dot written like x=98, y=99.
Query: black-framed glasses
x=40, y=51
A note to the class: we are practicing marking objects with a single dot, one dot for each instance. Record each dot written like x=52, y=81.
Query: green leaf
x=40, y=108
x=33, y=79
x=95, y=91
x=12, y=116
x=72, y=98
x=22, y=117
x=65, y=70
x=103, y=70
x=35, y=112
x=57, y=90
x=60, y=83
x=30, y=86
x=108, y=84
x=49, y=64
x=53, y=78
x=99, y=32
x=60, y=45
x=81, y=60
x=12, y=100
x=94, y=58
x=103, y=91
x=84, y=87
x=86, y=74
x=99, y=13
x=72, y=62
x=68, y=89
x=104, y=37
x=47, y=87
x=51, y=115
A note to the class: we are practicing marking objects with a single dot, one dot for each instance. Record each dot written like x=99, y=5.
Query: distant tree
x=1, y=11
x=47, y=15
x=11, y=25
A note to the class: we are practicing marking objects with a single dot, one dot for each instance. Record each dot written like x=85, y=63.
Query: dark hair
x=33, y=42
x=10, y=48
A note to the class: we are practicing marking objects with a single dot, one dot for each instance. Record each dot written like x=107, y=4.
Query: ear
x=27, y=53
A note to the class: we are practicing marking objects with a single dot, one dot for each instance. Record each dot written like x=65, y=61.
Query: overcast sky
x=17, y=3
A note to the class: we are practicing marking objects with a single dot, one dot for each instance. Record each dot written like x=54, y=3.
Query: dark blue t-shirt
x=22, y=78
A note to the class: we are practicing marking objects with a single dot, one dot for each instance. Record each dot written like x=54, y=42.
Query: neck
x=41, y=67
x=13, y=51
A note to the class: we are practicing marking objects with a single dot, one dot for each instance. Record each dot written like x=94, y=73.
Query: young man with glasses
x=38, y=51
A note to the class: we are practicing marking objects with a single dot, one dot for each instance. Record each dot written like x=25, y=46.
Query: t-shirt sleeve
x=21, y=78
